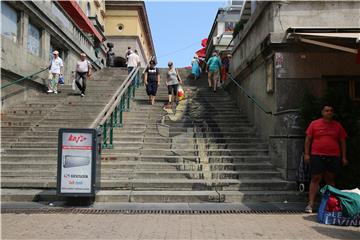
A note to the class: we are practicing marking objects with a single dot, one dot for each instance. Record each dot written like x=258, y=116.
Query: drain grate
x=134, y=212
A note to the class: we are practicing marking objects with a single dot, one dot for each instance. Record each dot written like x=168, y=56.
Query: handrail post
x=116, y=116
x=128, y=99
x=121, y=105
x=111, y=130
x=133, y=89
x=104, y=145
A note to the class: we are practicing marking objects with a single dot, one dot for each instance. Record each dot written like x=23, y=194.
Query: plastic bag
x=303, y=175
x=73, y=85
x=61, y=80
x=181, y=93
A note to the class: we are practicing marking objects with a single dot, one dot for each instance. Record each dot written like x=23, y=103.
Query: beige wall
x=132, y=27
x=96, y=7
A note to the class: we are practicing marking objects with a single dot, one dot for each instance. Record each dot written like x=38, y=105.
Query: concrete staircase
x=204, y=150
x=29, y=130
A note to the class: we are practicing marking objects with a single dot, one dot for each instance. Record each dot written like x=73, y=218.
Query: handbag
x=61, y=80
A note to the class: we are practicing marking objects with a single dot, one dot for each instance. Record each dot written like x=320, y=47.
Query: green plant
x=347, y=114
x=238, y=27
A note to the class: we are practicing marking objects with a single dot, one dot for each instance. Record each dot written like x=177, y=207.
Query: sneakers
x=308, y=209
x=82, y=95
x=55, y=92
x=49, y=91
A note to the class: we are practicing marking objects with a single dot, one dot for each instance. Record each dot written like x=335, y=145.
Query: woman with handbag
x=172, y=82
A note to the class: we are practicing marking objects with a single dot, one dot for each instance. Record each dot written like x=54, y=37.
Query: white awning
x=319, y=39
x=331, y=35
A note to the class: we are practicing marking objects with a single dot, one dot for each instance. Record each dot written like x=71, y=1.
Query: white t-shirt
x=82, y=66
x=56, y=64
x=133, y=60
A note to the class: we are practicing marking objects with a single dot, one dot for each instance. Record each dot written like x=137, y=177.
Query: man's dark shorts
x=321, y=164
x=151, y=88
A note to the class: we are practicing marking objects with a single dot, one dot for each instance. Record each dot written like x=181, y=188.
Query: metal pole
x=128, y=99
x=121, y=111
x=111, y=130
x=104, y=135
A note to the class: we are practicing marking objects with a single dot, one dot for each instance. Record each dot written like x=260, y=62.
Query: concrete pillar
x=24, y=29
x=45, y=45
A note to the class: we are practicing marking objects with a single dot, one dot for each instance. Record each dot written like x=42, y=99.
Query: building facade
x=285, y=49
x=32, y=30
x=221, y=34
x=127, y=24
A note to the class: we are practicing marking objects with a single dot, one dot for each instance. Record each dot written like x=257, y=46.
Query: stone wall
x=121, y=44
x=297, y=67
x=56, y=28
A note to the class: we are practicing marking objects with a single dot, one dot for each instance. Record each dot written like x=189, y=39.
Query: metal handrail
x=257, y=104
x=112, y=115
x=23, y=78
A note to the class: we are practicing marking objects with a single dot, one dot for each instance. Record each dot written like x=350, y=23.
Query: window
x=270, y=76
x=120, y=27
x=9, y=22
x=355, y=89
x=88, y=9
x=229, y=26
x=34, y=40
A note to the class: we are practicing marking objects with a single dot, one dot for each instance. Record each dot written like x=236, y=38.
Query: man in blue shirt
x=213, y=67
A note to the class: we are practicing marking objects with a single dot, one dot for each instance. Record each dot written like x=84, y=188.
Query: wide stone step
x=186, y=145
x=179, y=131
x=183, y=159
x=179, y=136
x=53, y=143
x=131, y=157
x=156, y=139
x=26, y=195
x=154, y=124
x=162, y=184
x=114, y=174
x=230, y=114
x=46, y=164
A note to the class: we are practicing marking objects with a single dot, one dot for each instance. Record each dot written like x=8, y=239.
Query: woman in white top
x=83, y=71
x=172, y=82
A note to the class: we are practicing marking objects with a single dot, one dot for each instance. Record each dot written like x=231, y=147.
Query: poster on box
x=76, y=163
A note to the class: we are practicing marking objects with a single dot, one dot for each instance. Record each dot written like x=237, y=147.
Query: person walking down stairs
x=56, y=70
x=213, y=68
x=195, y=67
x=152, y=81
x=83, y=71
x=173, y=80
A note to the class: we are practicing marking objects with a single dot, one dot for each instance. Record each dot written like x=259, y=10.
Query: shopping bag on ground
x=181, y=93
x=330, y=213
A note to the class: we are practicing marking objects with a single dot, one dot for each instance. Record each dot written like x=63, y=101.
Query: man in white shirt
x=83, y=71
x=56, y=70
x=133, y=61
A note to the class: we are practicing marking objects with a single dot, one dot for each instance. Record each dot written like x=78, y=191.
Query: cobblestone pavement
x=147, y=226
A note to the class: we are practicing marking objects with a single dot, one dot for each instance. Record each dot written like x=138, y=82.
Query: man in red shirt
x=327, y=140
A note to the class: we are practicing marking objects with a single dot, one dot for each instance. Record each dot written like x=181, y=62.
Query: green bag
x=350, y=202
